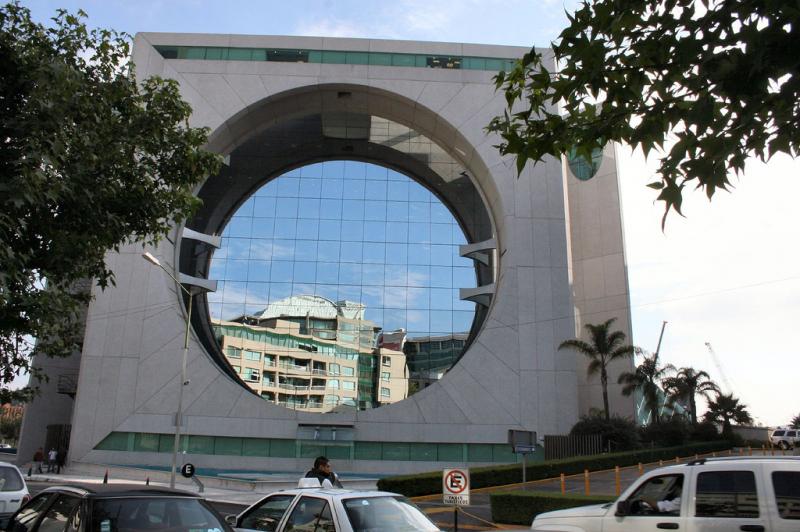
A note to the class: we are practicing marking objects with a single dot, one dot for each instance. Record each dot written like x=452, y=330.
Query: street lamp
x=179, y=415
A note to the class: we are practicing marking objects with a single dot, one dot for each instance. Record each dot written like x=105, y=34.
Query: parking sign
x=455, y=486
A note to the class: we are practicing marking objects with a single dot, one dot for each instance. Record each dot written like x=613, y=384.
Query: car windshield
x=385, y=514
x=10, y=479
x=173, y=514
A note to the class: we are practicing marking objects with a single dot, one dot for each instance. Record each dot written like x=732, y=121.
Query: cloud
x=331, y=27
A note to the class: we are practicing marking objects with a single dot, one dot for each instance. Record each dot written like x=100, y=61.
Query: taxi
x=311, y=508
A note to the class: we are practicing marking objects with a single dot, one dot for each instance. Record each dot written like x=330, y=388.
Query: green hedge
x=481, y=477
x=520, y=507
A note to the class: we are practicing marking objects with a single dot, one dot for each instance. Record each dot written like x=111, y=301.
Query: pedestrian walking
x=60, y=459
x=38, y=458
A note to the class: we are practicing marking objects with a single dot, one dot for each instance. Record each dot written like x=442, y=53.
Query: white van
x=754, y=494
x=784, y=437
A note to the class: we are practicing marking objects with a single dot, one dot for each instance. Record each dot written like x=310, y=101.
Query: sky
x=725, y=274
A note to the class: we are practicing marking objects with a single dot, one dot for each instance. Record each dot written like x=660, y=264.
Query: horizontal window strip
x=288, y=448
x=335, y=57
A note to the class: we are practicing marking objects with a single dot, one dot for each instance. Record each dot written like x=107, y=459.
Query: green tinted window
x=166, y=443
x=494, y=64
x=240, y=54
x=451, y=452
x=504, y=453
x=357, y=58
x=195, y=53
x=334, y=57
x=201, y=444
x=311, y=450
x=376, y=58
x=338, y=452
x=403, y=60
x=146, y=443
x=474, y=63
x=395, y=451
x=116, y=441
x=223, y=445
x=426, y=452
x=479, y=452
x=255, y=447
x=367, y=450
x=216, y=53
x=282, y=448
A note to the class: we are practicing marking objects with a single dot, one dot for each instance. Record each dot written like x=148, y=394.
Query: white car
x=755, y=494
x=13, y=491
x=332, y=510
x=784, y=437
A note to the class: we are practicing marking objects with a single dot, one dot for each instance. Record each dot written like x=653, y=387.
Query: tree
x=604, y=346
x=646, y=378
x=727, y=409
x=795, y=422
x=687, y=384
x=718, y=79
x=89, y=161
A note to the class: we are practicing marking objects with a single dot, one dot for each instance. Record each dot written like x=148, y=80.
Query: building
x=523, y=262
x=309, y=353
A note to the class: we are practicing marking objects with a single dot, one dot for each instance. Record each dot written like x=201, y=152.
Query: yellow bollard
x=586, y=481
x=641, y=468
x=563, y=484
x=660, y=463
x=750, y=451
x=677, y=460
x=617, y=480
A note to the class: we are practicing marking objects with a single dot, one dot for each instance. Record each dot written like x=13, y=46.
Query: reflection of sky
x=347, y=230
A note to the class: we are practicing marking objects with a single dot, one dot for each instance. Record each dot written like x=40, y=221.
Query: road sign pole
x=455, y=518
x=524, y=467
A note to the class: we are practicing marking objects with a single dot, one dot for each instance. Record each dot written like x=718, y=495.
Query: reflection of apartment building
x=429, y=357
x=305, y=353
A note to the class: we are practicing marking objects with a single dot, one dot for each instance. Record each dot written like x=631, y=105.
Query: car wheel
x=783, y=445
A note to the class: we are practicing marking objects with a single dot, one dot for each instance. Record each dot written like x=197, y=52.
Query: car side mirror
x=231, y=519
x=623, y=509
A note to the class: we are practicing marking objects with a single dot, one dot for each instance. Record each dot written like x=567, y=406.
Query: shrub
x=668, y=433
x=520, y=507
x=481, y=477
x=704, y=431
x=619, y=434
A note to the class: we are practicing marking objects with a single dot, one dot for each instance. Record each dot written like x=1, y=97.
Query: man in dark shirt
x=323, y=472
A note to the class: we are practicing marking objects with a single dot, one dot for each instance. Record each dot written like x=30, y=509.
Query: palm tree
x=645, y=378
x=686, y=385
x=603, y=347
x=795, y=422
x=727, y=410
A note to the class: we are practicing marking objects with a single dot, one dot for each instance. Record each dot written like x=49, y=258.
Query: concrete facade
x=559, y=263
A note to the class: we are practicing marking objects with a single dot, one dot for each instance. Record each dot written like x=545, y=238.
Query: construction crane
x=719, y=368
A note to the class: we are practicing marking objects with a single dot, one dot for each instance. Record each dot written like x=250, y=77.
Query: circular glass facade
x=338, y=288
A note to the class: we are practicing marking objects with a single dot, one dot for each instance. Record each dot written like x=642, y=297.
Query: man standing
x=323, y=472
x=51, y=460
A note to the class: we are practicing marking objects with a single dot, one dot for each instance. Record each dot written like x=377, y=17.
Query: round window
x=339, y=288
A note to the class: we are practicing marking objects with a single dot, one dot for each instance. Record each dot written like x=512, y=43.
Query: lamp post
x=179, y=415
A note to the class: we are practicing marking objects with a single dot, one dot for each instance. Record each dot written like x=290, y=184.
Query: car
x=710, y=494
x=316, y=509
x=784, y=437
x=13, y=491
x=116, y=508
